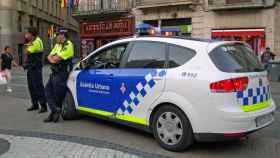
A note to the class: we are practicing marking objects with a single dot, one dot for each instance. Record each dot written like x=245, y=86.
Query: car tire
x=69, y=111
x=172, y=129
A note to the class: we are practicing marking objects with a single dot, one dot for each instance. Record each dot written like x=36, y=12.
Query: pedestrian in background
x=61, y=65
x=6, y=62
x=34, y=52
x=266, y=57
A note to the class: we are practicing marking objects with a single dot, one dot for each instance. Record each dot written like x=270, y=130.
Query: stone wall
x=251, y=18
x=170, y=12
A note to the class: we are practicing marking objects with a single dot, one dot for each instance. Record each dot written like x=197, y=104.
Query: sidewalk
x=35, y=147
x=275, y=90
x=28, y=147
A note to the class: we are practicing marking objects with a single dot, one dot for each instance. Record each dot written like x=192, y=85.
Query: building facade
x=172, y=17
x=103, y=21
x=253, y=21
x=17, y=15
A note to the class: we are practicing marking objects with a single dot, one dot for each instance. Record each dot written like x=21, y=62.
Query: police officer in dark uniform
x=34, y=52
x=61, y=61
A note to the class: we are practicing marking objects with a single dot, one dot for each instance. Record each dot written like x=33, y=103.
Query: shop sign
x=107, y=28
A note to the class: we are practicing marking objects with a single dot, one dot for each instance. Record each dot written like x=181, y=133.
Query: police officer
x=60, y=59
x=34, y=52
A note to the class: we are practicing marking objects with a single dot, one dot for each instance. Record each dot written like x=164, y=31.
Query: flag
x=76, y=3
x=65, y=3
x=62, y=3
x=51, y=32
x=70, y=4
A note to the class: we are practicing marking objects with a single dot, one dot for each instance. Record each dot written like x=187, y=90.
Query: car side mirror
x=80, y=66
x=85, y=65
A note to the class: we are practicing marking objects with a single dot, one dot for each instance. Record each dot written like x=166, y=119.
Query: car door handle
x=157, y=78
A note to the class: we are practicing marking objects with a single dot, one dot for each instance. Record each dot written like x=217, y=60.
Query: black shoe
x=43, y=110
x=32, y=108
x=56, y=117
x=49, y=118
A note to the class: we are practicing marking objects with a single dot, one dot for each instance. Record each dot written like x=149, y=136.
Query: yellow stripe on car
x=124, y=117
x=258, y=106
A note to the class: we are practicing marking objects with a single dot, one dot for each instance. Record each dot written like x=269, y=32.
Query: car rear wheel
x=68, y=108
x=172, y=129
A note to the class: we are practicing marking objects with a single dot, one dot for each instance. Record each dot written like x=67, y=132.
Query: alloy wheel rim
x=169, y=128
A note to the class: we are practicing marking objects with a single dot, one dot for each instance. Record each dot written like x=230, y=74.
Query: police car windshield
x=235, y=58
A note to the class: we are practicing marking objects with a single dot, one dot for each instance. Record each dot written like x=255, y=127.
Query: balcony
x=104, y=7
x=161, y=3
x=239, y=4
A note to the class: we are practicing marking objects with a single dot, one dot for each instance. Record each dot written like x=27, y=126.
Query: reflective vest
x=65, y=52
x=36, y=46
x=35, y=54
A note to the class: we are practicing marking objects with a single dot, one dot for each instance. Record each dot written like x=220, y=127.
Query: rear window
x=235, y=58
x=179, y=56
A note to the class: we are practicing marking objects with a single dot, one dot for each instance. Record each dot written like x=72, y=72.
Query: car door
x=96, y=83
x=141, y=80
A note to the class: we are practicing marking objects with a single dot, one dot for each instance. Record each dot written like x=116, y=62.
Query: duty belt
x=65, y=66
x=34, y=61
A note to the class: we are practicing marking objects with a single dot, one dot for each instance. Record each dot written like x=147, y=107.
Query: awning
x=170, y=30
x=144, y=26
x=238, y=32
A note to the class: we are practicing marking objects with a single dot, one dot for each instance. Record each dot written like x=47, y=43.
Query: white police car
x=182, y=90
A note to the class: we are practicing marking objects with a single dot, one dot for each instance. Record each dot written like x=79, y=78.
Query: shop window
x=179, y=56
x=154, y=23
x=181, y=26
x=147, y=55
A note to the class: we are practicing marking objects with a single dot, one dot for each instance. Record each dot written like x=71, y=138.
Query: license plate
x=263, y=120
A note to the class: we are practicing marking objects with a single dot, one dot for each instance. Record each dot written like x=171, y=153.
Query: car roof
x=192, y=43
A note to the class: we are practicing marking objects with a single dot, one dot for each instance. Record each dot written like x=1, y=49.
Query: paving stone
x=4, y=146
x=28, y=147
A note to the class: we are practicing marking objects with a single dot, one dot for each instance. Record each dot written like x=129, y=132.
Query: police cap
x=63, y=31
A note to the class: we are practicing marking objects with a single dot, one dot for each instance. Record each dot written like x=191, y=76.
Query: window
x=107, y=59
x=30, y=21
x=147, y=55
x=179, y=56
x=38, y=26
x=19, y=23
x=235, y=58
x=237, y=1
